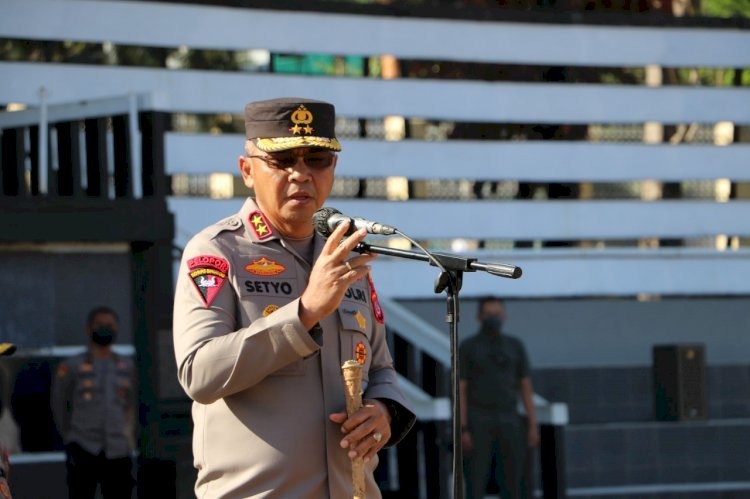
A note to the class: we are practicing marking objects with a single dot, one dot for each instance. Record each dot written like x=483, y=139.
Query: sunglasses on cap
x=316, y=160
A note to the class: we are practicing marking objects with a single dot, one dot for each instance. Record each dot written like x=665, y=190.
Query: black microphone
x=326, y=219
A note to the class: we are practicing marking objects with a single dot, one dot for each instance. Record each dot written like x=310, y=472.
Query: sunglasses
x=314, y=160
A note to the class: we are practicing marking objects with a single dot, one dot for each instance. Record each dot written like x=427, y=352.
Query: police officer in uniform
x=266, y=312
x=495, y=374
x=93, y=403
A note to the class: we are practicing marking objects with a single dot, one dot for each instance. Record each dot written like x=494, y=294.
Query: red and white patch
x=376, y=308
x=260, y=225
x=208, y=274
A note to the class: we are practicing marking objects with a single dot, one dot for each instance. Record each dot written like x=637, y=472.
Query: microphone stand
x=450, y=280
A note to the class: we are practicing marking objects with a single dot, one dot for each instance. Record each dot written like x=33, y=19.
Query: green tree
x=725, y=8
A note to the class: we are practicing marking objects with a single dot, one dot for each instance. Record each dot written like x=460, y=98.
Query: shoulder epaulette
x=227, y=224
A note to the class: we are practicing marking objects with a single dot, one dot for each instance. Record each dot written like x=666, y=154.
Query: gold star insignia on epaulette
x=260, y=225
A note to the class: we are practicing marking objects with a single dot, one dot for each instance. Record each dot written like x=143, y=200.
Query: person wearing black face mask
x=93, y=403
x=494, y=371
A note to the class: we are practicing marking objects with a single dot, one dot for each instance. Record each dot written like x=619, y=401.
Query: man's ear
x=246, y=170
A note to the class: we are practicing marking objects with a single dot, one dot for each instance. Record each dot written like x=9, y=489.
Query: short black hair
x=101, y=309
x=489, y=299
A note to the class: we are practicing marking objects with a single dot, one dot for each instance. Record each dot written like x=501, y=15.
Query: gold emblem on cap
x=302, y=116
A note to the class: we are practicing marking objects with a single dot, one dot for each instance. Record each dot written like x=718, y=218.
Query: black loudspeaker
x=679, y=382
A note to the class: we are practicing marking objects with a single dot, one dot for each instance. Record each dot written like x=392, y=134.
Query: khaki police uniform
x=93, y=402
x=263, y=386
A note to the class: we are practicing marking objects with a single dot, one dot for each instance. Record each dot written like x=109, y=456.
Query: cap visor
x=274, y=144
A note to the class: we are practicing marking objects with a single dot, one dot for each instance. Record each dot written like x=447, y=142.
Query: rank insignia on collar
x=260, y=225
x=208, y=273
x=360, y=353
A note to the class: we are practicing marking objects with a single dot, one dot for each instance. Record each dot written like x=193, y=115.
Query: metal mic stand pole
x=450, y=280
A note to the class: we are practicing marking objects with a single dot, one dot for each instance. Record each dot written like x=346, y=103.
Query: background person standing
x=93, y=402
x=494, y=370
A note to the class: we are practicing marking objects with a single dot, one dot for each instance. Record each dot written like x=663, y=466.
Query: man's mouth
x=300, y=196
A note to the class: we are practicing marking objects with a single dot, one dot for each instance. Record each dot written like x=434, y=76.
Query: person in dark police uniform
x=93, y=403
x=494, y=371
x=266, y=311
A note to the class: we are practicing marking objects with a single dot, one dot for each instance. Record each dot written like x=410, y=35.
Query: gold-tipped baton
x=352, y=373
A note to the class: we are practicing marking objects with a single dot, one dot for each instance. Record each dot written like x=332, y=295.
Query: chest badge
x=361, y=321
x=269, y=310
x=265, y=267
x=360, y=353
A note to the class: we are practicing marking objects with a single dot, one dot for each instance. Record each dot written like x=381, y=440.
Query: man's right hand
x=332, y=274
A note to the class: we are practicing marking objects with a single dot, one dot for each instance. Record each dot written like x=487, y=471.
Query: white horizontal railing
x=197, y=91
x=518, y=220
x=164, y=25
x=542, y=161
x=547, y=272
x=582, y=273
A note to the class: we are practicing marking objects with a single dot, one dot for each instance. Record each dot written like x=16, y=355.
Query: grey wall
x=45, y=296
x=611, y=332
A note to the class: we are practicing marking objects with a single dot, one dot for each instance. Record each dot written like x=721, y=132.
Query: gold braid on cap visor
x=283, y=143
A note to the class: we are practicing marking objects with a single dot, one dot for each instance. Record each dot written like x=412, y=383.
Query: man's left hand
x=363, y=428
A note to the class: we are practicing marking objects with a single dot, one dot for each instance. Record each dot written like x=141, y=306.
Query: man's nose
x=299, y=169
